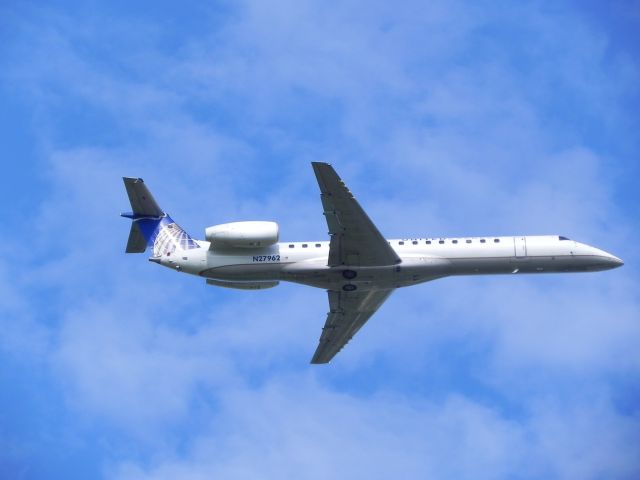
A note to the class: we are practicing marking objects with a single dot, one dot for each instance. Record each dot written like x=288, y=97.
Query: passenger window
x=291, y=245
x=440, y=242
x=415, y=242
x=496, y=240
x=317, y=245
x=468, y=241
x=482, y=240
x=401, y=243
x=455, y=241
x=304, y=245
x=428, y=242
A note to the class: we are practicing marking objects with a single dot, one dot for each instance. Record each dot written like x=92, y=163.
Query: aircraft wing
x=355, y=240
x=348, y=312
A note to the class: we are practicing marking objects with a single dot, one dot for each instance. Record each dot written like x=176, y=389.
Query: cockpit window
x=563, y=238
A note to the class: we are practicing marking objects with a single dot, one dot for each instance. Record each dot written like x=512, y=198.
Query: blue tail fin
x=152, y=227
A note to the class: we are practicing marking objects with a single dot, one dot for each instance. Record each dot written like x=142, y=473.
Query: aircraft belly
x=410, y=272
x=508, y=265
x=481, y=266
x=529, y=264
x=562, y=264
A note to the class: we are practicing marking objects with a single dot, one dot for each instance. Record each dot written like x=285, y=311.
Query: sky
x=445, y=118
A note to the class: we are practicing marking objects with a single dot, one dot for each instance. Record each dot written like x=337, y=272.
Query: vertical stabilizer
x=151, y=226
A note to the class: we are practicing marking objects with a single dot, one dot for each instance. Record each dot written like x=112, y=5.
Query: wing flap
x=348, y=312
x=355, y=240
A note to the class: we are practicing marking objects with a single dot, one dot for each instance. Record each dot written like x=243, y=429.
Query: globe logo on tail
x=171, y=237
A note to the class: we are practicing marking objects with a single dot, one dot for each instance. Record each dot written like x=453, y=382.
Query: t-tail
x=151, y=226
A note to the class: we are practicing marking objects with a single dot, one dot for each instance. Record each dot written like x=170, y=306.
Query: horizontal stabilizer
x=137, y=243
x=142, y=202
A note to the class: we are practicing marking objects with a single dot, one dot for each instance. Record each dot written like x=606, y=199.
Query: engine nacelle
x=243, y=234
x=243, y=285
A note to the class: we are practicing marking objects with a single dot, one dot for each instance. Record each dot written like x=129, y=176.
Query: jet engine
x=243, y=285
x=243, y=234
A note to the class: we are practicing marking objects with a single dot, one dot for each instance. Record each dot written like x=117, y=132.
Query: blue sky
x=444, y=118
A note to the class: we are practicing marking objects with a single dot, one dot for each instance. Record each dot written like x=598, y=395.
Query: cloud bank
x=447, y=118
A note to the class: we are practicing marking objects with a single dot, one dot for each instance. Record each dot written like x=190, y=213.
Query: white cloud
x=21, y=335
x=432, y=137
x=295, y=427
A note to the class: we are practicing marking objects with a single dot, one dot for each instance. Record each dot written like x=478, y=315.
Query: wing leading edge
x=348, y=312
x=355, y=240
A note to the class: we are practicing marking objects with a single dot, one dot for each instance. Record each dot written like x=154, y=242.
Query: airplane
x=357, y=266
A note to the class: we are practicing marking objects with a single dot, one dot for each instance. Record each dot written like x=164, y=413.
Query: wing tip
x=132, y=180
x=320, y=166
x=317, y=361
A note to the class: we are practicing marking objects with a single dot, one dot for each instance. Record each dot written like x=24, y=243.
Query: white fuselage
x=422, y=260
x=358, y=267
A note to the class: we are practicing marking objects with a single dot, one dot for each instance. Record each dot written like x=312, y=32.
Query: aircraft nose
x=611, y=261
x=603, y=260
x=615, y=261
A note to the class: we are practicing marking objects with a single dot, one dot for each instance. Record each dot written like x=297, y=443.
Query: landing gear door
x=520, y=246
